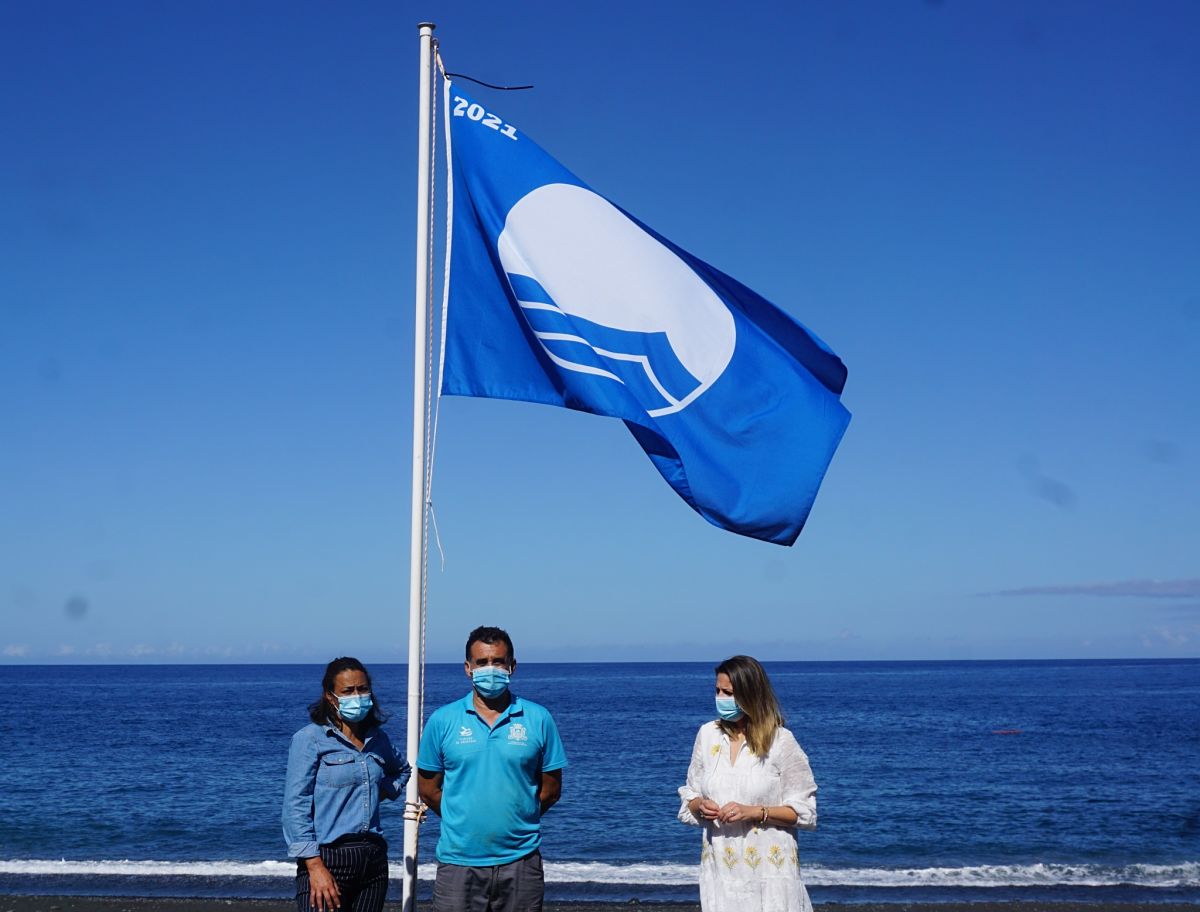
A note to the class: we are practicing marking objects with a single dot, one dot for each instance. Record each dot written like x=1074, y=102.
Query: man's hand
x=322, y=888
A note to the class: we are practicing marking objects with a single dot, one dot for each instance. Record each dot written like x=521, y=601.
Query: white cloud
x=1138, y=588
x=16, y=650
x=1172, y=637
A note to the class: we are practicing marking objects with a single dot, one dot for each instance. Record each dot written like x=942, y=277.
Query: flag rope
x=428, y=418
x=437, y=395
x=445, y=286
x=481, y=82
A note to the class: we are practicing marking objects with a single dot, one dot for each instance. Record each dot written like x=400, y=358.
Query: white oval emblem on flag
x=605, y=298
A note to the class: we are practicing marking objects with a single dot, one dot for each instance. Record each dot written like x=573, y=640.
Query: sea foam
x=1183, y=875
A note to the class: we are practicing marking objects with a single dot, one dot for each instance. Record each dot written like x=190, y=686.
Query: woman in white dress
x=749, y=787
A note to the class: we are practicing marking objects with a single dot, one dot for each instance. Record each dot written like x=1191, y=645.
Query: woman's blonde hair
x=756, y=698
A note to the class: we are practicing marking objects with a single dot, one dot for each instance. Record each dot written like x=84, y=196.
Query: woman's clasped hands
x=730, y=812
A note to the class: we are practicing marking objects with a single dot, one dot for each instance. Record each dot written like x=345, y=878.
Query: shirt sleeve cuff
x=806, y=815
x=303, y=850
x=393, y=786
x=685, y=814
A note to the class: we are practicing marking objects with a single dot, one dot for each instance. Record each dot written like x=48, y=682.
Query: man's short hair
x=491, y=636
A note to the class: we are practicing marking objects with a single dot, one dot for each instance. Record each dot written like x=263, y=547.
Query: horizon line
x=135, y=664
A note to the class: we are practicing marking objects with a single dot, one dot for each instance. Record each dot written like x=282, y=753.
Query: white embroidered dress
x=745, y=867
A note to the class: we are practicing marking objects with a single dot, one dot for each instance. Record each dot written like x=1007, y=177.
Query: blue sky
x=989, y=210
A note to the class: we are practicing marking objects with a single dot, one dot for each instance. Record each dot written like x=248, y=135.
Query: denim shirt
x=333, y=789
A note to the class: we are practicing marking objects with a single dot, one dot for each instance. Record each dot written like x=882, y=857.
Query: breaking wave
x=1183, y=875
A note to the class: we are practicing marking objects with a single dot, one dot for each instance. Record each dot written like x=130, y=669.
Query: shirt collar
x=332, y=730
x=515, y=707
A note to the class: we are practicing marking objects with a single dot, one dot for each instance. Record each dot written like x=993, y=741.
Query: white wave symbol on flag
x=605, y=298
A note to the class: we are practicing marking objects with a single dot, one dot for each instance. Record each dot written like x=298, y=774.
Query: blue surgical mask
x=491, y=681
x=355, y=707
x=728, y=709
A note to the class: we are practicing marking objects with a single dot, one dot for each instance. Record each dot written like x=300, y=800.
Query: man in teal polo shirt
x=490, y=766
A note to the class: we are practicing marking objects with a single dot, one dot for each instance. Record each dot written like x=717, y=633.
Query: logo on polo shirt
x=465, y=732
x=516, y=732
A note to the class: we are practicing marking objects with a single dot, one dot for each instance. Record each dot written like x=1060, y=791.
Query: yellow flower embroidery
x=775, y=856
x=795, y=858
x=705, y=853
x=730, y=858
x=716, y=749
x=753, y=859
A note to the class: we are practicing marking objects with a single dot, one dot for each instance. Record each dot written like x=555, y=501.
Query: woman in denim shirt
x=339, y=767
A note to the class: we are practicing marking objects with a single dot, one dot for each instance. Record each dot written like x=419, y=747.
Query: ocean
x=939, y=781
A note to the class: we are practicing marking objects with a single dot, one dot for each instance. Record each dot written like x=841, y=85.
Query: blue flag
x=558, y=296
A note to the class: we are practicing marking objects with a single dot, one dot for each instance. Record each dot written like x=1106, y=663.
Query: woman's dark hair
x=321, y=712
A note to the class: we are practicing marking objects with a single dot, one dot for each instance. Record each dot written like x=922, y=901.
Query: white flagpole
x=416, y=564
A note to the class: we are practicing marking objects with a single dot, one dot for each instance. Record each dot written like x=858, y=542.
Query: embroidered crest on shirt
x=516, y=732
x=466, y=735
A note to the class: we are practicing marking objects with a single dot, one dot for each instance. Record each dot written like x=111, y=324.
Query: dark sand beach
x=139, y=904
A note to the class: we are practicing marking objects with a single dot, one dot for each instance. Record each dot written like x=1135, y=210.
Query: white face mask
x=491, y=681
x=728, y=709
x=355, y=707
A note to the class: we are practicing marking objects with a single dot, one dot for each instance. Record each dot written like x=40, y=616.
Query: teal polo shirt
x=490, y=809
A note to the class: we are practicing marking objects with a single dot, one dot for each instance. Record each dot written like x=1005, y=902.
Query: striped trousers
x=359, y=865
